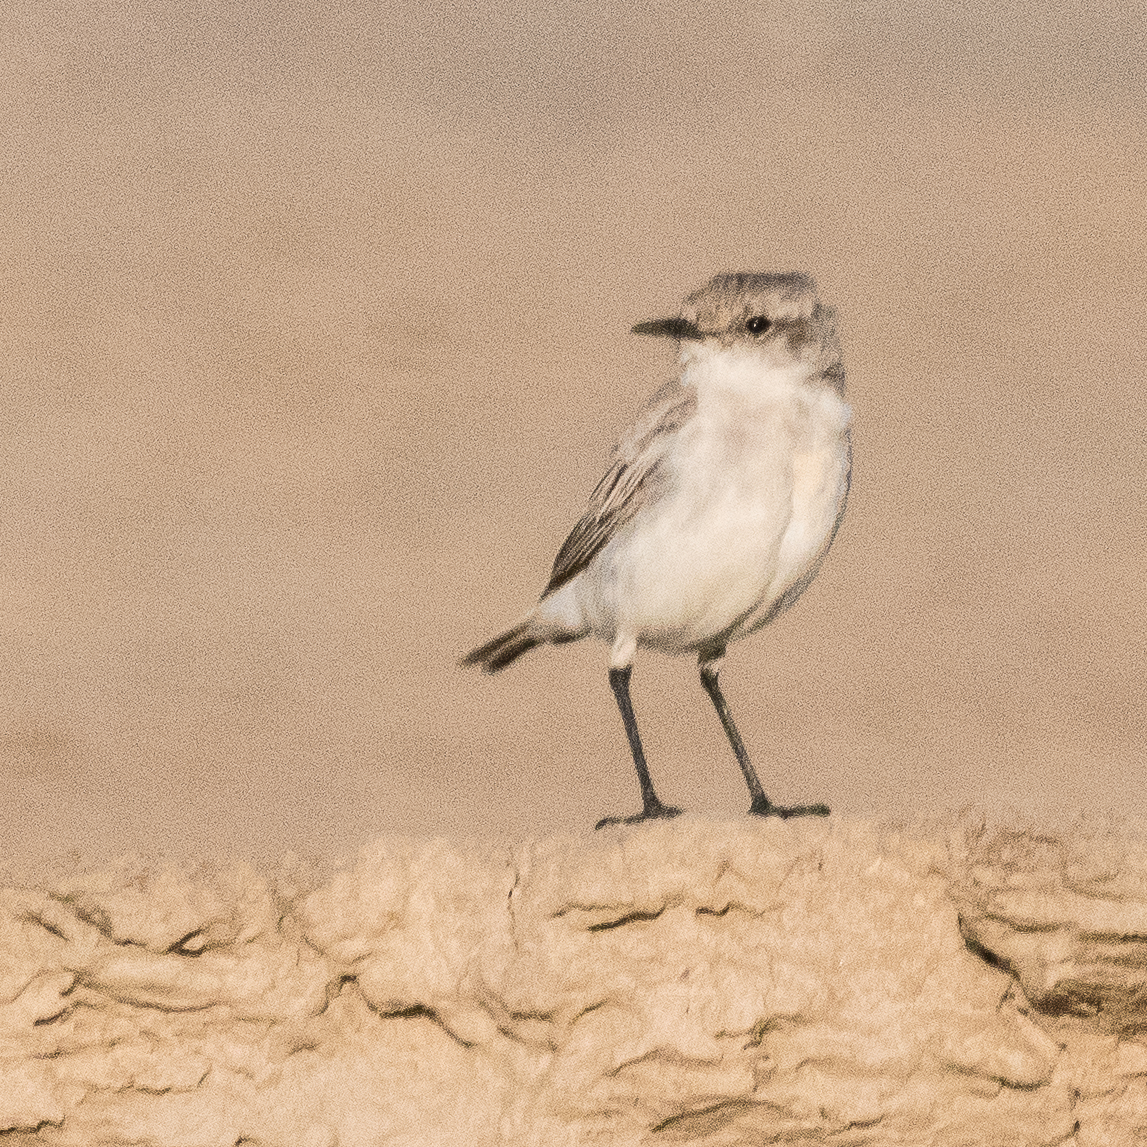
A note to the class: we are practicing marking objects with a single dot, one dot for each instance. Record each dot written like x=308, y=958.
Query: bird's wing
x=628, y=483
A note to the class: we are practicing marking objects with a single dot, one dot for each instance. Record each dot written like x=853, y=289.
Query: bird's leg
x=761, y=805
x=652, y=808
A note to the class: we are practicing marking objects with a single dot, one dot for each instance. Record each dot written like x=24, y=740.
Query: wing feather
x=628, y=483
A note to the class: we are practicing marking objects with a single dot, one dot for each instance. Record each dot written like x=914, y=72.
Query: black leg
x=652, y=808
x=761, y=805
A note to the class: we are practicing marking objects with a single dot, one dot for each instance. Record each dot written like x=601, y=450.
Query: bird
x=718, y=507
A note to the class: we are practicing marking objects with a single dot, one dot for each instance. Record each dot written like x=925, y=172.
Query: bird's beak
x=676, y=328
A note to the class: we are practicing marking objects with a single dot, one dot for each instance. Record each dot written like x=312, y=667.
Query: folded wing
x=628, y=483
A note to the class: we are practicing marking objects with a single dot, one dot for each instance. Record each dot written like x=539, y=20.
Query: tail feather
x=504, y=648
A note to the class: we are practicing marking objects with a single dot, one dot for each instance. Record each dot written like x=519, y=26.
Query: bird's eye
x=757, y=324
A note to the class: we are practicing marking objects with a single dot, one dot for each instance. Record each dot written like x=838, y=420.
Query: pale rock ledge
x=686, y=982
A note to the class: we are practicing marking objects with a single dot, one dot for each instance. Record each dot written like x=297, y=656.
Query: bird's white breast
x=748, y=495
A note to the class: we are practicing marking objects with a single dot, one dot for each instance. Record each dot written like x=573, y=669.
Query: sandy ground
x=313, y=338
x=714, y=984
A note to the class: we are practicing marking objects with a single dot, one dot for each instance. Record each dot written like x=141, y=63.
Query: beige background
x=314, y=340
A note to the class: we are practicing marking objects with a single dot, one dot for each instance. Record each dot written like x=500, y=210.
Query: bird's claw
x=658, y=811
x=765, y=807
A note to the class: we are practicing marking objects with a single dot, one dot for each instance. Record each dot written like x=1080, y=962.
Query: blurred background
x=314, y=341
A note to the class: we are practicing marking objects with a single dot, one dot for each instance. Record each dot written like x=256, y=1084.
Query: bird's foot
x=656, y=811
x=765, y=807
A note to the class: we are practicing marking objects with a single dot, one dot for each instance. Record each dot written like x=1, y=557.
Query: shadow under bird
x=719, y=505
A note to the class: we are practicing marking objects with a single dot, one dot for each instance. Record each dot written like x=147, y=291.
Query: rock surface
x=681, y=983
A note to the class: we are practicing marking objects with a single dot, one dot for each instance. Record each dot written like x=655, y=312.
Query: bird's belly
x=686, y=569
x=687, y=581
x=708, y=562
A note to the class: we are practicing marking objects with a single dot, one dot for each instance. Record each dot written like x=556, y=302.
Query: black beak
x=668, y=328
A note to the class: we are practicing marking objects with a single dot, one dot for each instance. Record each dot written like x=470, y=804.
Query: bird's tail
x=504, y=648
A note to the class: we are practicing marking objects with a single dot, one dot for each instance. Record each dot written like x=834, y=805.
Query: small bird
x=719, y=505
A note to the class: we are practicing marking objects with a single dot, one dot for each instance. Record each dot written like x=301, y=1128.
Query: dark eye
x=757, y=324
